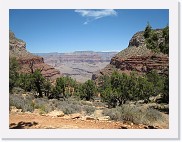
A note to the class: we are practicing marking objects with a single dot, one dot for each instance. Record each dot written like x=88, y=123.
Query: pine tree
x=147, y=31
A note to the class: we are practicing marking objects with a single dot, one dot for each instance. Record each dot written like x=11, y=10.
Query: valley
x=79, y=65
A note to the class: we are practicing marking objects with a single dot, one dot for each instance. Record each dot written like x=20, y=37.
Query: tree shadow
x=22, y=125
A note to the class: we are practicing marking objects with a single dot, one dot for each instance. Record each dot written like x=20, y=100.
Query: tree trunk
x=38, y=89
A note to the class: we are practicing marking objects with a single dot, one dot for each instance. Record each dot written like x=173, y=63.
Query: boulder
x=90, y=118
x=75, y=115
x=104, y=118
x=13, y=109
x=56, y=113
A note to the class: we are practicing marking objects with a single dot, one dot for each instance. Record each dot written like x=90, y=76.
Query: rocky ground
x=58, y=120
x=34, y=121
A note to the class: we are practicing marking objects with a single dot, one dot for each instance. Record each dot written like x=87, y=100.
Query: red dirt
x=33, y=121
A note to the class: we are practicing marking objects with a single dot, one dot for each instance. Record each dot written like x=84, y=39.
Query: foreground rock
x=13, y=109
x=56, y=113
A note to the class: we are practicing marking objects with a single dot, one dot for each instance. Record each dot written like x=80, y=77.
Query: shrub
x=18, y=90
x=68, y=107
x=88, y=109
x=99, y=104
x=21, y=103
x=134, y=114
x=85, y=103
x=44, y=105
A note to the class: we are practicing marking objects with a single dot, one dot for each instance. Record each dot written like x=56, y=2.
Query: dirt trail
x=33, y=121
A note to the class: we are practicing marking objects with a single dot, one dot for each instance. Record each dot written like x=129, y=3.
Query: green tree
x=63, y=84
x=147, y=30
x=121, y=86
x=47, y=87
x=60, y=86
x=165, y=97
x=13, y=72
x=88, y=90
x=109, y=96
x=152, y=42
x=25, y=81
x=144, y=89
x=38, y=80
x=164, y=46
x=157, y=81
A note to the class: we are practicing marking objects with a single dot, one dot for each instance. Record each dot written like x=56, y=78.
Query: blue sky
x=75, y=30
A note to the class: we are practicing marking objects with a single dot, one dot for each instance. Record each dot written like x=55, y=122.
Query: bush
x=69, y=107
x=21, y=103
x=134, y=114
x=82, y=102
x=43, y=104
x=99, y=104
x=88, y=109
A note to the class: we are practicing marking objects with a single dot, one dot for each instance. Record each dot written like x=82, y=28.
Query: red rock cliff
x=17, y=49
x=137, y=58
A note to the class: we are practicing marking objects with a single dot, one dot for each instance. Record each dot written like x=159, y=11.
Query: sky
x=69, y=30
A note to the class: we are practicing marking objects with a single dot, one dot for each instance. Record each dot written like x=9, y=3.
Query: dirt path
x=33, y=121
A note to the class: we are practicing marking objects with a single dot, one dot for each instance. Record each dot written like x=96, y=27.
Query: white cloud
x=92, y=15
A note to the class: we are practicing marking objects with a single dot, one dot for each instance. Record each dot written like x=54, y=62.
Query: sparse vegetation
x=21, y=102
x=134, y=114
x=152, y=39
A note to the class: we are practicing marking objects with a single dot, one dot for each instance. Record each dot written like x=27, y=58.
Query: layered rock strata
x=136, y=57
x=17, y=49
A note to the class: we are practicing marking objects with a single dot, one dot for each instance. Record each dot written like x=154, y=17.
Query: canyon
x=79, y=65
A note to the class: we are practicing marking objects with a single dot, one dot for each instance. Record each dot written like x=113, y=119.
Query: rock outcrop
x=17, y=49
x=137, y=58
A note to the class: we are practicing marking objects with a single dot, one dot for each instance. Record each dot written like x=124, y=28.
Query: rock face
x=137, y=58
x=79, y=65
x=17, y=49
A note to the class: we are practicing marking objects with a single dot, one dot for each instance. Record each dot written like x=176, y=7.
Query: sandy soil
x=33, y=121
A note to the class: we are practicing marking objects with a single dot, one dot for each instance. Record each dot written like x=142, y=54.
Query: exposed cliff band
x=17, y=49
x=137, y=57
